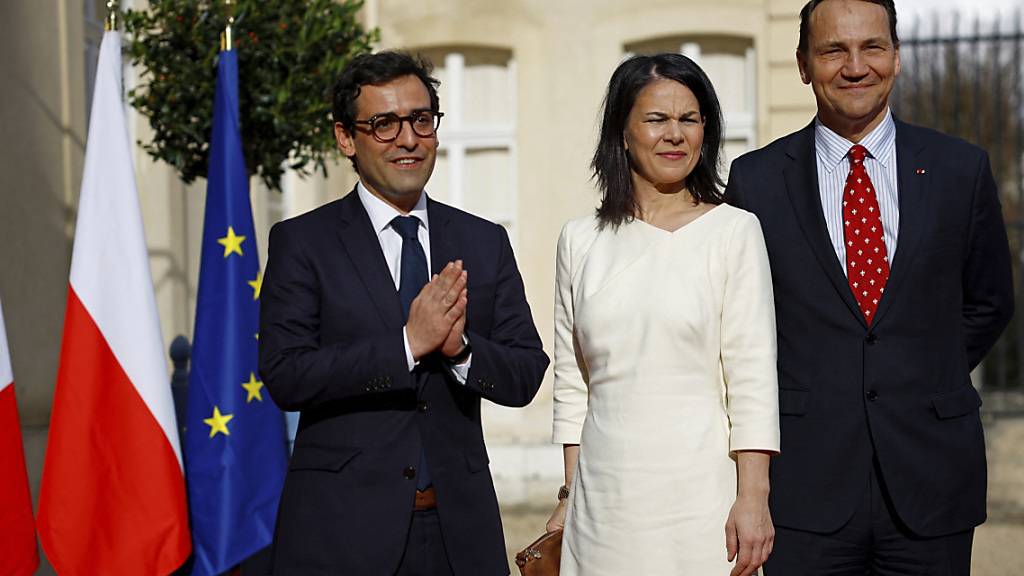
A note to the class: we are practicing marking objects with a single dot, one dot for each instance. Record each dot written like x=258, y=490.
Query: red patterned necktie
x=867, y=263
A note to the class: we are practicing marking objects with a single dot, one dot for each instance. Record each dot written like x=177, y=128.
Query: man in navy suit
x=892, y=281
x=386, y=317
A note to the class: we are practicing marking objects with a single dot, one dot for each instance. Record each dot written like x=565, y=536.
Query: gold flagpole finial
x=111, y=21
x=226, y=37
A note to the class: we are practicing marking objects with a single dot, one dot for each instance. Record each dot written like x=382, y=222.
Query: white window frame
x=458, y=139
x=739, y=125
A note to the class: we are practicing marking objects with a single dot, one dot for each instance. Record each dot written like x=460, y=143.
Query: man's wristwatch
x=462, y=354
x=563, y=492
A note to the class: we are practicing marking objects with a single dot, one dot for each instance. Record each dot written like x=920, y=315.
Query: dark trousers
x=873, y=543
x=425, y=554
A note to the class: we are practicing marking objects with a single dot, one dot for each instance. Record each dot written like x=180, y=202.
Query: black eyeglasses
x=387, y=126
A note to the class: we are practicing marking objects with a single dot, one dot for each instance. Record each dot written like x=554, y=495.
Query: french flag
x=18, y=554
x=112, y=499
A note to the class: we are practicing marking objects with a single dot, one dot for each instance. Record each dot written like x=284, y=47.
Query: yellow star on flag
x=231, y=243
x=254, y=387
x=256, y=284
x=218, y=423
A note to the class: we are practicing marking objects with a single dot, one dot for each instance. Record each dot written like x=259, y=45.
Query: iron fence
x=963, y=77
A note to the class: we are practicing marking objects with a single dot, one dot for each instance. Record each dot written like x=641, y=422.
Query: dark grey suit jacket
x=899, y=390
x=331, y=345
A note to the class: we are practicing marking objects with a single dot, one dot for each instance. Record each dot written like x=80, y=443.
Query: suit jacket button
x=409, y=473
x=422, y=406
x=872, y=395
x=871, y=339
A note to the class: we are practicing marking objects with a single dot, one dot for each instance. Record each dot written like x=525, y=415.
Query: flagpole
x=113, y=470
x=226, y=39
x=111, y=21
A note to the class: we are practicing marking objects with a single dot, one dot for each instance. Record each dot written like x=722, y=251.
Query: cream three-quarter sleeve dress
x=664, y=367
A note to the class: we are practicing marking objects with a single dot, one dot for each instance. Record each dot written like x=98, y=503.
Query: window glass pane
x=437, y=187
x=475, y=168
x=655, y=46
x=728, y=75
x=727, y=60
x=722, y=58
x=489, y=179
x=436, y=58
x=485, y=85
x=489, y=93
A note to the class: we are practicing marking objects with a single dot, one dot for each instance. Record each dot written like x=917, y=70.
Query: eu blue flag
x=235, y=451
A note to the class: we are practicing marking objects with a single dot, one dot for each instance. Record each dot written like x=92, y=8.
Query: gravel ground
x=998, y=545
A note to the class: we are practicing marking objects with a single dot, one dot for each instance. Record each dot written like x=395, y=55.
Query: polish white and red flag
x=18, y=554
x=112, y=499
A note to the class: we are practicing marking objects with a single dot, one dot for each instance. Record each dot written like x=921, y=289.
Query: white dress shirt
x=381, y=214
x=832, y=151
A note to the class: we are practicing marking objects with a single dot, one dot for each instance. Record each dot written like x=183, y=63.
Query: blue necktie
x=412, y=278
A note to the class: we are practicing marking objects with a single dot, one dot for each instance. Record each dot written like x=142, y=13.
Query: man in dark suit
x=892, y=281
x=388, y=364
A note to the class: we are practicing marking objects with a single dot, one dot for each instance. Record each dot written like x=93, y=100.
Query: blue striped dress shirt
x=834, y=165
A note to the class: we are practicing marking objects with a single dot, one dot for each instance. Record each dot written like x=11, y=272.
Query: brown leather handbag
x=542, y=557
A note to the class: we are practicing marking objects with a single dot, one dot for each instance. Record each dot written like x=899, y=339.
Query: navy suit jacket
x=331, y=346
x=899, y=390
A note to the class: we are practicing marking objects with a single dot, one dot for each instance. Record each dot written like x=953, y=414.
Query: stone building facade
x=522, y=84
x=522, y=87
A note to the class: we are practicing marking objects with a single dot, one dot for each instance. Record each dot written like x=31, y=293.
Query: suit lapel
x=360, y=241
x=801, y=176
x=442, y=244
x=913, y=211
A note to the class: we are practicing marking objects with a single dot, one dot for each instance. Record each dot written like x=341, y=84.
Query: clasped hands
x=437, y=316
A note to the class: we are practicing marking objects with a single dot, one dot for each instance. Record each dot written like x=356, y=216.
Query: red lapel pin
x=920, y=171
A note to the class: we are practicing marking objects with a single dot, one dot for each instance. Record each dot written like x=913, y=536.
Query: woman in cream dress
x=666, y=395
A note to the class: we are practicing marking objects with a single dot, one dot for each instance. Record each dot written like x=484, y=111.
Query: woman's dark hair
x=611, y=163
x=376, y=69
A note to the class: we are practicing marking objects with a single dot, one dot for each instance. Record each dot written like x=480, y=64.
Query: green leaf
x=289, y=52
